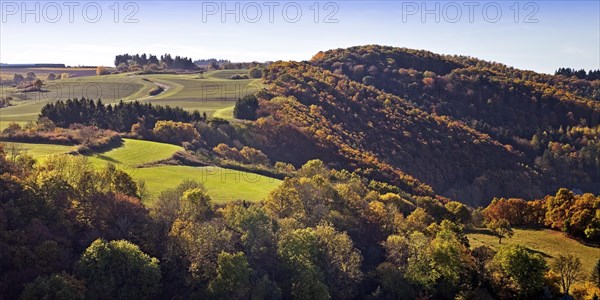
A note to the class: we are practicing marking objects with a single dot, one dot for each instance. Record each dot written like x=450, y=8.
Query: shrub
x=254, y=156
x=5, y=102
x=175, y=132
x=44, y=131
x=155, y=91
x=229, y=153
x=255, y=73
x=102, y=71
x=240, y=76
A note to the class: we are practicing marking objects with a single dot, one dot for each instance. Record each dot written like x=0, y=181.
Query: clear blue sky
x=543, y=36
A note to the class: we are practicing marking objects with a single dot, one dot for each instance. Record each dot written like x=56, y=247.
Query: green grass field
x=136, y=152
x=37, y=150
x=548, y=243
x=222, y=184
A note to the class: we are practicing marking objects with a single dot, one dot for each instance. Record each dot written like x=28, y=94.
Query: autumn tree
x=569, y=269
x=340, y=262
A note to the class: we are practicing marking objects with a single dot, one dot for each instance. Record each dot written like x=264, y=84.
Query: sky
x=534, y=35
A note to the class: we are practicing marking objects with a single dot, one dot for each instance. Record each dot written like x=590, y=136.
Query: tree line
x=165, y=61
x=119, y=117
x=581, y=74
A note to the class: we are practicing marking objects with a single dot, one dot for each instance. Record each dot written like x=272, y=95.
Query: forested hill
x=387, y=138
x=471, y=130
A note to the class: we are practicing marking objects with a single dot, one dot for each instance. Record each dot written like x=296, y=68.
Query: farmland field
x=209, y=92
x=549, y=243
x=222, y=184
x=42, y=73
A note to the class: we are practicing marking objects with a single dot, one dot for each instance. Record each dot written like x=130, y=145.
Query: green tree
x=451, y=259
x=168, y=203
x=569, y=269
x=245, y=108
x=256, y=229
x=419, y=219
x=199, y=245
x=196, y=206
x=298, y=251
x=500, y=228
x=526, y=270
x=460, y=212
x=54, y=287
x=233, y=277
x=118, y=270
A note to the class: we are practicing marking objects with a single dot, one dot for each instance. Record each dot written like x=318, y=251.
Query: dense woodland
x=439, y=119
x=322, y=234
x=388, y=158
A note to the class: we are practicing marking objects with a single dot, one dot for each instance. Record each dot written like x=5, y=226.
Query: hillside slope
x=387, y=138
x=553, y=121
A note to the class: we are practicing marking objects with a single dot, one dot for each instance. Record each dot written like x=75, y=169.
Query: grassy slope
x=222, y=184
x=136, y=152
x=548, y=243
x=208, y=93
x=38, y=150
